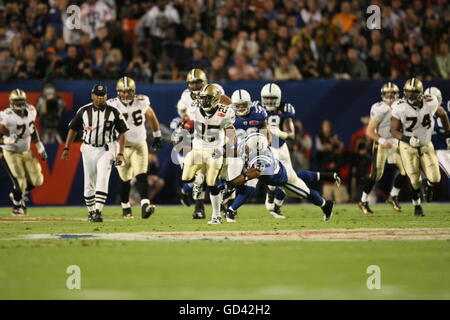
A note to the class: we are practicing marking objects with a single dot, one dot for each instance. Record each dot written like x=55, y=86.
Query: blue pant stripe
x=300, y=189
x=294, y=191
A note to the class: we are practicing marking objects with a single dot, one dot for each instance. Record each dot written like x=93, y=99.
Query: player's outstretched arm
x=371, y=133
x=69, y=140
x=440, y=112
x=250, y=174
x=39, y=145
x=154, y=125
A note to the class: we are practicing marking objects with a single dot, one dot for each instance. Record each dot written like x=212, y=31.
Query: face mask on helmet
x=206, y=102
x=242, y=109
x=195, y=87
x=18, y=104
x=126, y=96
x=413, y=97
x=389, y=96
x=270, y=103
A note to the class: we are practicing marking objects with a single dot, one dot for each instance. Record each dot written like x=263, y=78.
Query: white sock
x=430, y=184
x=91, y=208
x=145, y=201
x=125, y=205
x=395, y=191
x=99, y=206
x=323, y=204
x=416, y=202
x=364, y=197
x=215, y=203
x=318, y=176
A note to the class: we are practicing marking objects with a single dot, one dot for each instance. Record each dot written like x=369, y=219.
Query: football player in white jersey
x=17, y=130
x=412, y=123
x=213, y=129
x=196, y=79
x=136, y=109
x=385, y=148
x=280, y=116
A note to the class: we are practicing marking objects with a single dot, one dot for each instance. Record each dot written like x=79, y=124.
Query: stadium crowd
x=232, y=40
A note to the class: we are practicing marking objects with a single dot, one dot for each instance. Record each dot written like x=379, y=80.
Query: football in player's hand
x=188, y=125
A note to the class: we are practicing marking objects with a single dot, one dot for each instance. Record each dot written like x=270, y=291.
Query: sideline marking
x=378, y=234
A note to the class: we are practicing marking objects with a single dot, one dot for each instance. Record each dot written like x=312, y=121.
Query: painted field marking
x=377, y=234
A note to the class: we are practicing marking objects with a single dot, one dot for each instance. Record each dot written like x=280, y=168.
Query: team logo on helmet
x=390, y=92
x=413, y=92
x=17, y=99
x=126, y=89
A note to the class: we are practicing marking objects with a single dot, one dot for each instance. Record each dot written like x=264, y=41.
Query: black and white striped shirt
x=100, y=125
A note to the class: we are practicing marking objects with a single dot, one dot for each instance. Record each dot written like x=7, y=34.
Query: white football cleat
x=215, y=220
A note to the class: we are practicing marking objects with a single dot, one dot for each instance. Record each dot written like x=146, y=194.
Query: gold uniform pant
x=416, y=158
x=136, y=161
x=380, y=156
x=202, y=160
x=25, y=168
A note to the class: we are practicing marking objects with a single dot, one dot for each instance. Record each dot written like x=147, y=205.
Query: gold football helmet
x=126, y=89
x=209, y=97
x=17, y=99
x=390, y=92
x=196, y=79
x=413, y=92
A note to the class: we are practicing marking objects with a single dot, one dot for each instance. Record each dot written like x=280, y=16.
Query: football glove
x=414, y=142
x=41, y=150
x=157, y=144
x=11, y=139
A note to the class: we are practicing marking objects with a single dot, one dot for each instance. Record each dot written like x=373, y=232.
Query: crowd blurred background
x=160, y=40
x=267, y=40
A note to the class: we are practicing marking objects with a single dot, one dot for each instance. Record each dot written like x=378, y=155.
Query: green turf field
x=225, y=269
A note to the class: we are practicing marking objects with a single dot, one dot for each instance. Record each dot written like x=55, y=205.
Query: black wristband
x=405, y=139
x=120, y=154
x=66, y=149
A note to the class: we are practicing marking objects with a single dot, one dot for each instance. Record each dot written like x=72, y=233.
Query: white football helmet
x=256, y=143
x=181, y=108
x=270, y=96
x=433, y=91
x=242, y=102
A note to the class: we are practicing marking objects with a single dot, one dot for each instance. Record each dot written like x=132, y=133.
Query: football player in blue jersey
x=260, y=161
x=250, y=118
x=280, y=122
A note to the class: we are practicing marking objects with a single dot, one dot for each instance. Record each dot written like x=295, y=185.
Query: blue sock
x=315, y=198
x=243, y=194
x=186, y=188
x=308, y=176
x=279, y=194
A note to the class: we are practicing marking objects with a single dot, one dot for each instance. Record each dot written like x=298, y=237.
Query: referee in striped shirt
x=103, y=144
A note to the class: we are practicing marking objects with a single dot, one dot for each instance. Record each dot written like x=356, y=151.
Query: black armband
x=66, y=149
x=405, y=139
x=120, y=154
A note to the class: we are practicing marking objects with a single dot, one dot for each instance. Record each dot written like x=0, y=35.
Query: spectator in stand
x=241, y=69
x=115, y=66
x=217, y=72
x=311, y=14
x=198, y=60
x=6, y=64
x=399, y=60
x=345, y=18
x=71, y=63
x=330, y=159
x=94, y=15
x=443, y=61
x=287, y=70
x=431, y=68
x=264, y=72
x=356, y=68
x=377, y=66
x=50, y=108
x=416, y=68
x=301, y=148
x=139, y=70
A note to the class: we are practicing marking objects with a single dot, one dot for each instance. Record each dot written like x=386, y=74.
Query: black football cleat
x=230, y=215
x=364, y=206
x=127, y=213
x=18, y=211
x=95, y=216
x=393, y=201
x=276, y=212
x=184, y=199
x=418, y=211
x=147, y=210
x=327, y=210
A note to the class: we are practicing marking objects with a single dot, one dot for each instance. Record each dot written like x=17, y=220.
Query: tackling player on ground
x=17, y=130
x=385, y=148
x=412, y=123
x=137, y=111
